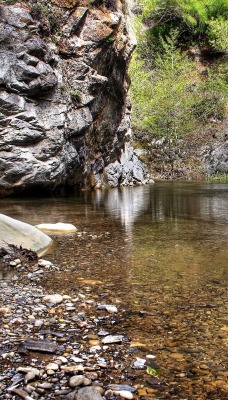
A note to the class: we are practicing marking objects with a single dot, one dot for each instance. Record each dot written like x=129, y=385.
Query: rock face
x=216, y=159
x=19, y=233
x=64, y=107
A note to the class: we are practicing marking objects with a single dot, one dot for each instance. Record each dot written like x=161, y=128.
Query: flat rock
x=53, y=298
x=86, y=393
x=40, y=345
x=57, y=228
x=125, y=394
x=112, y=339
x=22, y=234
x=111, y=309
x=121, y=387
x=139, y=363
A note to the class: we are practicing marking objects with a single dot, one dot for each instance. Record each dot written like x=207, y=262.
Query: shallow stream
x=159, y=252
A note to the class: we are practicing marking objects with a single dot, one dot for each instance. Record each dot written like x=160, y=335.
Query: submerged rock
x=44, y=346
x=112, y=339
x=57, y=228
x=86, y=393
x=53, y=298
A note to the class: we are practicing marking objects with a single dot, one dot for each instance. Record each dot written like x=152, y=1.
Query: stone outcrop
x=216, y=159
x=64, y=106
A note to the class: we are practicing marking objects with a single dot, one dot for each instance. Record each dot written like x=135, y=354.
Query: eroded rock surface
x=216, y=159
x=64, y=107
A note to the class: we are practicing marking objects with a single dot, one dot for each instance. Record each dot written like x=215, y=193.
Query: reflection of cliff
x=126, y=204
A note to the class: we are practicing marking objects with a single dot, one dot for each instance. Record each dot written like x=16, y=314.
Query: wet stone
x=112, y=339
x=140, y=363
x=87, y=393
x=40, y=345
x=76, y=380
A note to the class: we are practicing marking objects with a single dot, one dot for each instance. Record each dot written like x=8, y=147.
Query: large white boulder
x=19, y=233
x=57, y=228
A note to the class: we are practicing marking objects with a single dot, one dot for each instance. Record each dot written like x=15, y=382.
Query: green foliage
x=44, y=10
x=218, y=34
x=218, y=177
x=76, y=95
x=176, y=99
x=195, y=19
x=211, y=103
x=164, y=96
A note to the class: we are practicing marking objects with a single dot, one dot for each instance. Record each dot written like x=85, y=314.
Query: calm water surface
x=162, y=251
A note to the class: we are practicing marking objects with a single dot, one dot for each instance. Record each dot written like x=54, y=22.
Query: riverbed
x=159, y=253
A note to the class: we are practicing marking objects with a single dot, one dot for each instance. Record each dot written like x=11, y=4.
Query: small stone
x=12, y=264
x=94, y=349
x=72, y=368
x=94, y=342
x=111, y=309
x=38, y=323
x=88, y=393
x=224, y=329
x=62, y=359
x=108, y=307
x=139, y=363
x=44, y=263
x=52, y=366
x=103, y=333
x=53, y=298
x=200, y=372
x=77, y=359
x=28, y=369
x=124, y=394
x=76, y=380
x=50, y=372
x=137, y=344
x=121, y=387
x=150, y=356
x=4, y=310
x=87, y=382
x=112, y=339
x=45, y=346
x=57, y=228
x=45, y=385
x=177, y=356
x=99, y=389
x=30, y=376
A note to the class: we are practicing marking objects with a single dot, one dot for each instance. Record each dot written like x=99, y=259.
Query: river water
x=161, y=253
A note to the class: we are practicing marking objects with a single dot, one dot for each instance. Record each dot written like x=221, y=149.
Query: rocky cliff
x=64, y=106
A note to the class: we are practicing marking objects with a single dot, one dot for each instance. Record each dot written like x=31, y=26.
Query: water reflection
x=126, y=204
x=173, y=201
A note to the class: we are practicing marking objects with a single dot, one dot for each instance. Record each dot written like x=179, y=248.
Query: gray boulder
x=216, y=159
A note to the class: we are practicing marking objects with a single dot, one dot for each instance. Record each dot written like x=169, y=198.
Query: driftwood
x=13, y=252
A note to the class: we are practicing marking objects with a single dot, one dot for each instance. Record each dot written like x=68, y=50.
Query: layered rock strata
x=64, y=106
